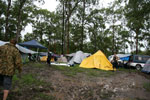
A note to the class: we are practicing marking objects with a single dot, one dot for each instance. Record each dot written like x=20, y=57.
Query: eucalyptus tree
x=47, y=28
x=20, y=6
x=2, y=19
x=115, y=16
x=40, y=23
x=69, y=9
x=7, y=18
x=85, y=4
x=54, y=32
x=29, y=36
x=96, y=26
x=81, y=14
x=138, y=14
x=17, y=14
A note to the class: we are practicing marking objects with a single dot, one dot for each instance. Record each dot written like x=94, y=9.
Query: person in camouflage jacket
x=10, y=60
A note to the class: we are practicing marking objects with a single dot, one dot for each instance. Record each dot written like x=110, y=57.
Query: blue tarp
x=125, y=58
x=33, y=44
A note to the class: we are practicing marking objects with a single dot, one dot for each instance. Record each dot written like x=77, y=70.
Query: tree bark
x=63, y=28
x=19, y=19
x=83, y=18
x=68, y=26
x=7, y=19
x=137, y=40
x=113, y=44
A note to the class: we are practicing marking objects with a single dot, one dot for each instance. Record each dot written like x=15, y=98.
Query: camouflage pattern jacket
x=10, y=59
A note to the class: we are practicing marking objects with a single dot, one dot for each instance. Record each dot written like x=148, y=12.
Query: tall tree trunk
x=68, y=27
x=83, y=18
x=137, y=40
x=69, y=10
x=7, y=19
x=19, y=18
x=113, y=44
x=95, y=43
x=63, y=28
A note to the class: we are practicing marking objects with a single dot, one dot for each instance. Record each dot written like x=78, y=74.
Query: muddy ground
x=41, y=82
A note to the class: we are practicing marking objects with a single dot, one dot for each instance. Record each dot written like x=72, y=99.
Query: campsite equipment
x=97, y=60
x=146, y=68
x=33, y=44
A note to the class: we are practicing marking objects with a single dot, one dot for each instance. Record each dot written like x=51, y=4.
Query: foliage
x=137, y=15
x=80, y=25
x=147, y=86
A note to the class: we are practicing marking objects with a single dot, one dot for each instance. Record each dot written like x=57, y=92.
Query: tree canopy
x=121, y=27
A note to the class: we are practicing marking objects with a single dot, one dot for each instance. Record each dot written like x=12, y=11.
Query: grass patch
x=35, y=64
x=72, y=71
x=147, y=86
x=27, y=80
x=69, y=71
x=98, y=73
x=127, y=70
x=42, y=96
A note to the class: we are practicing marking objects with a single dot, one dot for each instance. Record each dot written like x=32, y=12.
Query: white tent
x=21, y=49
x=2, y=43
x=62, y=59
x=78, y=57
x=25, y=50
x=146, y=68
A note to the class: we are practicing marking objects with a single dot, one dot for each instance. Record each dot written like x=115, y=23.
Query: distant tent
x=62, y=59
x=97, y=60
x=78, y=57
x=146, y=68
x=44, y=59
x=32, y=44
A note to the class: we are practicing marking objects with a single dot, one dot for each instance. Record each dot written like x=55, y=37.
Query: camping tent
x=21, y=49
x=32, y=44
x=146, y=68
x=62, y=59
x=78, y=57
x=97, y=60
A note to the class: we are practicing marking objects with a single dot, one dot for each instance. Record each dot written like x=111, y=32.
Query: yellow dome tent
x=97, y=60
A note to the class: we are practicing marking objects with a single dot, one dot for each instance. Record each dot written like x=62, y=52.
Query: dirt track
x=120, y=86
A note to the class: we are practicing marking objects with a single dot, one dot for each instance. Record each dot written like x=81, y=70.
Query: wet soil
x=126, y=85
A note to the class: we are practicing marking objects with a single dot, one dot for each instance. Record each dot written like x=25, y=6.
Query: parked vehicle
x=137, y=61
x=146, y=68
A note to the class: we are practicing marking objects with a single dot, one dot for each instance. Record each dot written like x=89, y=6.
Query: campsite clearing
x=40, y=82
